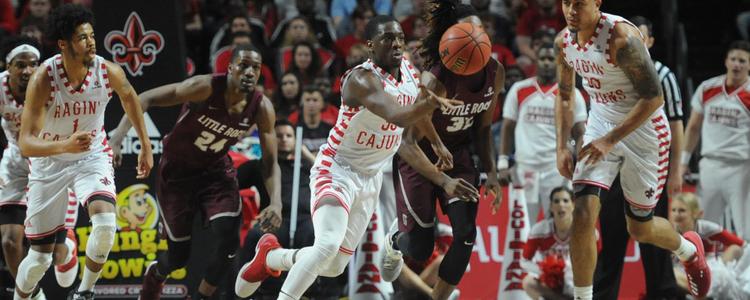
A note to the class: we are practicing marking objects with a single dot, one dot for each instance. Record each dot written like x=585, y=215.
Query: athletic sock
x=88, y=279
x=282, y=259
x=686, y=250
x=583, y=293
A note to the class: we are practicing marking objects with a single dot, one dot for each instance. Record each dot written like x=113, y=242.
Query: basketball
x=465, y=48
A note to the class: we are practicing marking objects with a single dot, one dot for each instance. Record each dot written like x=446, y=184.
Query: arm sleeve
x=579, y=115
x=510, y=105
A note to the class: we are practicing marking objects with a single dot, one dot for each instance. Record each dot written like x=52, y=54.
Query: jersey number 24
x=206, y=142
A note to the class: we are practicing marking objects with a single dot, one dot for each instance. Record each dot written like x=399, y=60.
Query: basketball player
x=626, y=134
x=22, y=59
x=63, y=133
x=529, y=128
x=721, y=118
x=196, y=176
x=418, y=183
x=379, y=98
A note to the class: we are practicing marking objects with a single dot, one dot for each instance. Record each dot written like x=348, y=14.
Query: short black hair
x=64, y=20
x=546, y=46
x=641, y=20
x=739, y=45
x=372, y=27
x=283, y=122
x=15, y=41
x=244, y=47
x=241, y=34
x=311, y=88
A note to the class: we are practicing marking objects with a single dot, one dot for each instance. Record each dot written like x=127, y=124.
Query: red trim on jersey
x=664, y=161
x=346, y=251
x=328, y=152
x=744, y=97
x=524, y=93
x=662, y=177
x=333, y=195
x=591, y=182
x=641, y=206
x=323, y=182
x=45, y=234
x=15, y=202
x=710, y=93
x=105, y=193
x=326, y=163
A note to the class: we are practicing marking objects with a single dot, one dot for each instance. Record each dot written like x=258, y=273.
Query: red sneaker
x=696, y=269
x=254, y=272
x=152, y=284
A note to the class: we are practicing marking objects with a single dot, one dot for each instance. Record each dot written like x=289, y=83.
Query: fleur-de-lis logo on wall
x=133, y=48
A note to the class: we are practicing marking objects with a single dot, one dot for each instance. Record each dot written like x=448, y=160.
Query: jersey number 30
x=206, y=142
x=460, y=123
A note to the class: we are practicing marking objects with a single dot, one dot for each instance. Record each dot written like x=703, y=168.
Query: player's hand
x=445, y=158
x=565, y=163
x=504, y=176
x=145, y=162
x=458, y=187
x=270, y=219
x=492, y=189
x=674, y=183
x=77, y=143
x=116, y=152
x=595, y=151
x=444, y=103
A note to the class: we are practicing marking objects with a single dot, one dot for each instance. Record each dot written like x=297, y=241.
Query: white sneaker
x=67, y=273
x=393, y=260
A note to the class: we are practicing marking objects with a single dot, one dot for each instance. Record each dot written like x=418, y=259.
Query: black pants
x=657, y=262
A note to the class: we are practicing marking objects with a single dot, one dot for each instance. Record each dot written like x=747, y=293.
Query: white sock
x=88, y=280
x=686, y=250
x=583, y=293
x=283, y=259
x=70, y=244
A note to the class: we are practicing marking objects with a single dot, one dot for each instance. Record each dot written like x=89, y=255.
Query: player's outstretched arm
x=427, y=129
x=564, y=108
x=34, y=112
x=193, y=89
x=364, y=88
x=484, y=144
x=270, y=217
x=131, y=105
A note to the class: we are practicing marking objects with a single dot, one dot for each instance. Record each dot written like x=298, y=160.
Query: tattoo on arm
x=633, y=59
x=565, y=77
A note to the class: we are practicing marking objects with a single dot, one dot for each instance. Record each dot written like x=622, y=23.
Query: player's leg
x=66, y=250
x=710, y=191
x=737, y=191
x=657, y=262
x=614, y=240
x=530, y=179
x=11, y=230
x=462, y=216
x=583, y=238
x=225, y=240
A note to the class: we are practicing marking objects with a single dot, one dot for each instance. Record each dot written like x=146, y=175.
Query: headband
x=24, y=48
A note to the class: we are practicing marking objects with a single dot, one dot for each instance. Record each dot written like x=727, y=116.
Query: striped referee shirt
x=672, y=95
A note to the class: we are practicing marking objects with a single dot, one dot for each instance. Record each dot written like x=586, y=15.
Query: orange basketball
x=465, y=49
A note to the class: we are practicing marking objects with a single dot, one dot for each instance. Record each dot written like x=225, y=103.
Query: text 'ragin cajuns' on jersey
x=82, y=110
x=612, y=93
x=10, y=109
x=726, y=119
x=205, y=131
x=361, y=139
x=455, y=125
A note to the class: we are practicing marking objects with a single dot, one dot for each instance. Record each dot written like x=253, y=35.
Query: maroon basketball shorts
x=183, y=192
x=416, y=195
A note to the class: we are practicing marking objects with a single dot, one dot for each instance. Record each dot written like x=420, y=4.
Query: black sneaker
x=85, y=295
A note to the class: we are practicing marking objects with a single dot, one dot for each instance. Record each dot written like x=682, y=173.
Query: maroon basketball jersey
x=205, y=131
x=455, y=126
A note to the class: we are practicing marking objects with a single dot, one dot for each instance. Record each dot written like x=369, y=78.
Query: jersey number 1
x=205, y=142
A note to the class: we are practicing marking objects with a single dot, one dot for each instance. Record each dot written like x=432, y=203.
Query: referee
x=657, y=263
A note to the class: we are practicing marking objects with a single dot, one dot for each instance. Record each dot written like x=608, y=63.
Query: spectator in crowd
x=359, y=17
x=545, y=14
x=319, y=26
x=546, y=255
x=407, y=12
x=412, y=51
x=287, y=98
x=540, y=37
x=723, y=249
x=7, y=18
x=288, y=8
x=299, y=31
x=239, y=22
x=657, y=263
x=721, y=119
x=315, y=126
x=325, y=87
x=500, y=51
x=306, y=63
x=357, y=55
x=529, y=128
x=342, y=9
x=224, y=56
x=38, y=9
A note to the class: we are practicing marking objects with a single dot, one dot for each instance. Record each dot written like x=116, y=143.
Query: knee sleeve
x=226, y=240
x=102, y=237
x=639, y=214
x=418, y=243
x=176, y=257
x=32, y=269
x=336, y=266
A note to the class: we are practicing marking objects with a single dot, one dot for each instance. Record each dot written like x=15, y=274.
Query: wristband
x=502, y=162
x=685, y=159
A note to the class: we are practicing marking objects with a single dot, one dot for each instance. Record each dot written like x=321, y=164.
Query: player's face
x=289, y=86
x=312, y=103
x=681, y=215
x=240, y=24
x=545, y=63
x=285, y=138
x=20, y=70
x=245, y=70
x=581, y=14
x=81, y=46
x=562, y=205
x=303, y=57
x=388, y=45
x=738, y=63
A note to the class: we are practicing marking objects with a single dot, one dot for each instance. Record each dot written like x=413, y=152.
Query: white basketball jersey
x=612, y=93
x=533, y=109
x=361, y=140
x=726, y=119
x=11, y=111
x=70, y=111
